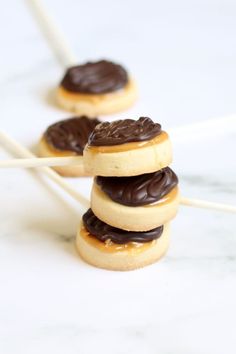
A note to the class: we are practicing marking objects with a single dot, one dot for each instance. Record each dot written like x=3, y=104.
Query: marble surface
x=183, y=55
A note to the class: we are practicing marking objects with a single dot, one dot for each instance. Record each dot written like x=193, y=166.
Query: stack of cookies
x=134, y=195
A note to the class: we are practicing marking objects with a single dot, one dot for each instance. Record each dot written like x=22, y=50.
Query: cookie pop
x=104, y=246
x=96, y=88
x=93, y=88
x=127, y=148
x=137, y=203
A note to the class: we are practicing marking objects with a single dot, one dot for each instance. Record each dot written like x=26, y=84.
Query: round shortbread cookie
x=121, y=257
x=98, y=104
x=139, y=218
x=130, y=159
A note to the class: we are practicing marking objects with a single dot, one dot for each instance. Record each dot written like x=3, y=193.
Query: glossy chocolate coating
x=124, y=131
x=95, y=78
x=104, y=232
x=70, y=134
x=139, y=190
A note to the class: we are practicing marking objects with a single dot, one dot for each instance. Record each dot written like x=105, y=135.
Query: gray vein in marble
x=65, y=238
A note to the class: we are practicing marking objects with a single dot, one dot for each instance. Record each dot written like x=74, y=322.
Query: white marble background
x=183, y=54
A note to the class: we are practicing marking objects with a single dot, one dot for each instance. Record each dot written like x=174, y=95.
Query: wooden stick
x=34, y=162
x=21, y=151
x=53, y=34
x=198, y=203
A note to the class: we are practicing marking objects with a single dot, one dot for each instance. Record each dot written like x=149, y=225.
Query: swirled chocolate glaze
x=124, y=131
x=95, y=78
x=70, y=134
x=139, y=190
x=104, y=232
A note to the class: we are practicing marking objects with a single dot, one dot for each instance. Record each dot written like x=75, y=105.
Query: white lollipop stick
x=34, y=162
x=21, y=151
x=198, y=203
x=53, y=34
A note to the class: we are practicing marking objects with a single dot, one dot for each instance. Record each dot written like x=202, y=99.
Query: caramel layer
x=110, y=247
x=75, y=96
x=128, y=146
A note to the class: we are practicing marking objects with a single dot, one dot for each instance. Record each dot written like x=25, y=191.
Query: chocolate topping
x=70, y=134
x=139, y=190
x=124, y=131
x=104, y=232
x=95, y=78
